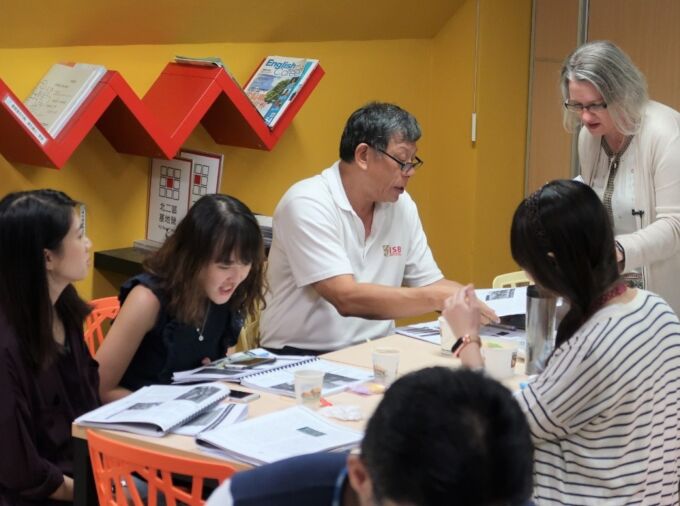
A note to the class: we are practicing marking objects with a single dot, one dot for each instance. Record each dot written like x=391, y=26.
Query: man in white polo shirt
x=349, y=254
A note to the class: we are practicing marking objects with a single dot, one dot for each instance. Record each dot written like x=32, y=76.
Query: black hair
x=376, y=124
x=562, y=236
x=30, y=223
x=444, y=436
x=216, y=228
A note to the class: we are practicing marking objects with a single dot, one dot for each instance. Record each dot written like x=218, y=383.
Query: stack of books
x=61, y=92
x=276, y=83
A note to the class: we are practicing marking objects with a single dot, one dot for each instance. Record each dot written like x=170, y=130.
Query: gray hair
x=376, y=124
x=612, y=73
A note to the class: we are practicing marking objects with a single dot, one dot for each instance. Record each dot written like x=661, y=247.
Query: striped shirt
x=604, y=415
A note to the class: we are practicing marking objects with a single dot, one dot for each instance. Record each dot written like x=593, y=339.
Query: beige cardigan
x=655, y=156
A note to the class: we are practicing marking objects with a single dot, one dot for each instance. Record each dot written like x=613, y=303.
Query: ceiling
x=53, y=23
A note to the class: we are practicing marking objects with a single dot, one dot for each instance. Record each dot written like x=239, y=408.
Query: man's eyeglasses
x=404, y=166
x=578, y=108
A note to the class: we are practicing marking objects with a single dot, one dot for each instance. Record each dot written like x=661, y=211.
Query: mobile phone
x=242, y=396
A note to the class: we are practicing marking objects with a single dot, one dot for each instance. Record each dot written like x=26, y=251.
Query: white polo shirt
x=317, y=235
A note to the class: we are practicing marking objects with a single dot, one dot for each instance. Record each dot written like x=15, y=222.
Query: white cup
x=447, y=336
x=308, y=386
x=499, y=363
x=385, y=365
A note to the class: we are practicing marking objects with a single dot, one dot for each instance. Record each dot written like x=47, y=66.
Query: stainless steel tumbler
x=540, y=328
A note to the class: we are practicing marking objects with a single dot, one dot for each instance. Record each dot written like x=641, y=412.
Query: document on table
x=505, y=301
x=279, y=435
x=428, y=331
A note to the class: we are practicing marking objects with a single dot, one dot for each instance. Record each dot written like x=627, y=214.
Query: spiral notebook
x=281, y=380
x=156, y=409
x=237, y=366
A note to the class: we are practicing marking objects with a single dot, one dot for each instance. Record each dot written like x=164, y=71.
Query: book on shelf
x=157, y=409
x=279, y=435
x=218, y=416
x=61, y=92
x=175, y=185
x=265, y=223
x=275, y=84
x=206, y=61
x=237, y=366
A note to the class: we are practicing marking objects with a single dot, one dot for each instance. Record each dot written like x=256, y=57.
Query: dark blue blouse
x=172, y=345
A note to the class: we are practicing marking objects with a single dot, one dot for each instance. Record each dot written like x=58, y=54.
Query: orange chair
x=114, y=463
x=102, y=309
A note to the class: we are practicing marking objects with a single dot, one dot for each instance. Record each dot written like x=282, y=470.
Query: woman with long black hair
x=604, y=414
x=47, y=377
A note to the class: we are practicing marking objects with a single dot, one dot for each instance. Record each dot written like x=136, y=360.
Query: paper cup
x=447, y=336
x=499, y=362
x=385, y=365
x=308, y=385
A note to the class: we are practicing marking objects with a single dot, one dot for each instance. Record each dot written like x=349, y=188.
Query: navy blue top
x=315, y=479
x=172, y=345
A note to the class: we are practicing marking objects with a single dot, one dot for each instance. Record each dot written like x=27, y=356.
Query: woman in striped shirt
x=604, y=414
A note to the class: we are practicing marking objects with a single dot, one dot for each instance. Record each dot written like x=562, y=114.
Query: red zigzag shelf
x=156, y=125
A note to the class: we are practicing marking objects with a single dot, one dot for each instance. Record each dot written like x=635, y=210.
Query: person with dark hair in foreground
x=604, y=414
x=47, y=376
x=349, y=253
x=188, y=308
x=438, y=437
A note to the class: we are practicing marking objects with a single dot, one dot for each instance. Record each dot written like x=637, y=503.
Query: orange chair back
x=102, y=309
x=114, y=462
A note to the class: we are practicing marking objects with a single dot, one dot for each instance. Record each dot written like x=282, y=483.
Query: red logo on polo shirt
x=391, y=251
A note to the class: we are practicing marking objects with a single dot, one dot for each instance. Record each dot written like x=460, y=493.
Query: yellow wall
x=505, y=42
x=477, y=186
x=431, y=78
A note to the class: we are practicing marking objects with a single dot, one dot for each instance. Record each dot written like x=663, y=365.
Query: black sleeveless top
x=172, y=345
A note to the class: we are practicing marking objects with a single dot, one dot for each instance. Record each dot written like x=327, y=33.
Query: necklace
x=614, y=291
x=200, y=331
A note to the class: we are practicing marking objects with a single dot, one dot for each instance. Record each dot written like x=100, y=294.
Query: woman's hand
x=463, y=312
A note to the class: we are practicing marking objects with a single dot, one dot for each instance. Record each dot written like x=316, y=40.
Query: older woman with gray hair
x=629, y=150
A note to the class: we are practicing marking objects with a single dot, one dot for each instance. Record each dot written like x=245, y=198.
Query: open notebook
x=237, y=366
x=157, y=409
x=281, y=380
x=276, y=436
x=276, y=376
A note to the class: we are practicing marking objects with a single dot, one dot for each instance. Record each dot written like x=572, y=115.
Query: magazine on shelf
x=279, y=435
x=206, y=61
x=61, y=92
x=157, y=409
x=218, y=416
x=237, y=366
x=276, y=83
